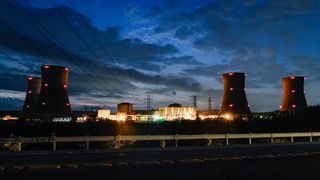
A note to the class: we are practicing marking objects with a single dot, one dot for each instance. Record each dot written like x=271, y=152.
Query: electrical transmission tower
x=194, y=101
x=148, y=103
x=209, y=104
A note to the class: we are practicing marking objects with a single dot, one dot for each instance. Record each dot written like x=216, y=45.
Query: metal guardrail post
x=175, y=140
x=250, y=139
x=291, y=138
x=87, y=142
x=227, y=139
x=116, y=141
x=271, y=139
x=54, y=143
x=311, y=135
x=19, y=144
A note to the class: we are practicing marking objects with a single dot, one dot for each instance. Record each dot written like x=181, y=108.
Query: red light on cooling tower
x=293, y=106
x=46, y=67
x=230, y=105
x=230, y=74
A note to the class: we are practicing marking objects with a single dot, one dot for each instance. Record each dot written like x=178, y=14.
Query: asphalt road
x=281, y=161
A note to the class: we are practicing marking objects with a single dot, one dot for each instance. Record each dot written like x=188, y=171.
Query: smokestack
x=234, y=99
x=32, y=95
x=54, y=91
x=293, y=94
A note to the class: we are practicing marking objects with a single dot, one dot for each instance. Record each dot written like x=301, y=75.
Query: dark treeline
x=305, y=120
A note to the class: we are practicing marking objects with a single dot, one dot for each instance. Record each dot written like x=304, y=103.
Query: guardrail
x=162, y=138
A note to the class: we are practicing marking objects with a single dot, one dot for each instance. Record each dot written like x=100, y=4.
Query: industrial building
x=125, y=107
x=53, y=100
x=234, y=100
x=32, y=96
x=177, y=111
x=293, y=94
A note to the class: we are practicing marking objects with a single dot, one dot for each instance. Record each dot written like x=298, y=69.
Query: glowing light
x=227, y=116
x=43, y=104
x=65, y=86
x=46, y=85
x=28, y=106
x=68, y=104
x=231, y=89
x=66, y=69
x=245, y=74
x=292, y=77
x=29, y=92
x=280, y=107
x=293, y=106
x=244, y=89
x=293, y=91
x=249, y=105
x=230, y=105
x=230, y=74
x=30, y=78
x=46, y=67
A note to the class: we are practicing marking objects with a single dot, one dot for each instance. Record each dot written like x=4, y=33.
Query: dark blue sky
x=124, y=50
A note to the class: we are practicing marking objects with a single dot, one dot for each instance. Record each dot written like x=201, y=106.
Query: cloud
x=130, y=10
x=10, y=104
x=102, y=64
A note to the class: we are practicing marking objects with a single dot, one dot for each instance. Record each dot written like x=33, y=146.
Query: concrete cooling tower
x=234, y=100
x=293, y=94
x=32, y=96
x=54, y=98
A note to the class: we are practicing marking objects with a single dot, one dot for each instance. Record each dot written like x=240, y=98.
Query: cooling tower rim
x=33, y=78
x=234, y=73
x=48, y=66
x=293, y=77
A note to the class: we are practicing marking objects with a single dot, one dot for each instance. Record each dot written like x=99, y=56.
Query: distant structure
x=234, y=99
x=194, y=101
x=209, y=104
x=54, y=100
x=125, y=107
x=177, y=111
x=293, y=94
x=32, y=96
x=148, y=103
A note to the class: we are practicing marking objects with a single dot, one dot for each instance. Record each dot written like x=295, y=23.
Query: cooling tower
x=293, y=94
x=234, y=99
x=53, y=98
x=32, y=96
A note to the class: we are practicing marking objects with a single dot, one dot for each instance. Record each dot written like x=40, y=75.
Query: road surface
x=277, y=161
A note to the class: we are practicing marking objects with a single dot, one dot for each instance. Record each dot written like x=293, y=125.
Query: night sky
x=125, y=50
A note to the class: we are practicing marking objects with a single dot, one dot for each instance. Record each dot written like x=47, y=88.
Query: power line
x=53, y=5
x=51, y=38
x=71, y=2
